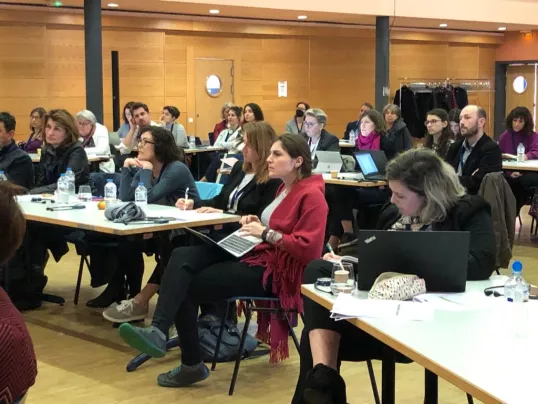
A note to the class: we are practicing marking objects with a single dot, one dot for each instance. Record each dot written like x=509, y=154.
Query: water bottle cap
x=62, y=175
x=517, y=266
x=69, y=169
x=140, y=183
x=109, y=180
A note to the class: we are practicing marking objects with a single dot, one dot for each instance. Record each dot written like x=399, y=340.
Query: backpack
x=208, y=332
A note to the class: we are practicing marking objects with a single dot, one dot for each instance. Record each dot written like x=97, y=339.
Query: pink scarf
x=370, y=142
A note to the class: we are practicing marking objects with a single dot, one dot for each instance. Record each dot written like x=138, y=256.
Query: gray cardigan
x=170, y=186
x=179, y=133
x=291, y=127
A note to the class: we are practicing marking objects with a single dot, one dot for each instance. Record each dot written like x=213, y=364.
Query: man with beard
x=140, y=116
x=477, y=154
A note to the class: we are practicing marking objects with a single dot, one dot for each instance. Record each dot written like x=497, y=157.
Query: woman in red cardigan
x=292, y=229
x=18, y=368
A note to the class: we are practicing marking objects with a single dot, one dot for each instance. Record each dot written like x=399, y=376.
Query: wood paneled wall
x=43, y=65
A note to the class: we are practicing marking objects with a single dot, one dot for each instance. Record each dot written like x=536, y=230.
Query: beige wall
x=332, y=69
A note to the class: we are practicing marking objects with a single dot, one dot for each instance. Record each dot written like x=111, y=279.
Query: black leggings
x=355, y=345
x=201, y=274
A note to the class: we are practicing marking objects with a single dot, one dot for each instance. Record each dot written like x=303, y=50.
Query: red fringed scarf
x=301, y=219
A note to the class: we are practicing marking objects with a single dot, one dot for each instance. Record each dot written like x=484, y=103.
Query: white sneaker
x=126, y=311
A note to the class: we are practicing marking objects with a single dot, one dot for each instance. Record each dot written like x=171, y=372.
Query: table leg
x=431, y=387
x=388, y=377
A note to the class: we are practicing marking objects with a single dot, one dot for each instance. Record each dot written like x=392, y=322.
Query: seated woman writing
x=426, y=196
x=248, y=192
x=291, y=228
x=159, y=168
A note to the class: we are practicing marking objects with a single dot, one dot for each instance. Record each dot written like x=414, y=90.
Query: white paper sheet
x=186, y=215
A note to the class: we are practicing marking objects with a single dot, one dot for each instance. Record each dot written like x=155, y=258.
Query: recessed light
x=113, y=5
x=214, y=11
x=502, y=28
x=443, y=25
x=302, y=17
x=58, y=4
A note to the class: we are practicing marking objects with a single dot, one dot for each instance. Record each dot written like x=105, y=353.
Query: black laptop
x=368, y=166
x=438, y=257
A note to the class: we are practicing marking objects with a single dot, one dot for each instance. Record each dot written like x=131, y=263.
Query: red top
x=18, y=367
x=301, y=218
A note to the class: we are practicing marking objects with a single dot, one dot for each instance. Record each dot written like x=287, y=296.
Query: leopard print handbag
x=396, y=286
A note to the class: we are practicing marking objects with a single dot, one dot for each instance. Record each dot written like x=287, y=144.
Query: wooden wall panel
x=44, y=65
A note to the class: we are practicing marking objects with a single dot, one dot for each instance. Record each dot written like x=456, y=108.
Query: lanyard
x=462, y=152
x=299, y=129
x=235, y=199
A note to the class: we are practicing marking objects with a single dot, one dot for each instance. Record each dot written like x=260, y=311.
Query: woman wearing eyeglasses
x=159, y=167
x=94, y=139
x=440, y=136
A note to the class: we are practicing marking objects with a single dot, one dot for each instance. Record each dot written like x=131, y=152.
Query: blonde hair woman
x=426, y=196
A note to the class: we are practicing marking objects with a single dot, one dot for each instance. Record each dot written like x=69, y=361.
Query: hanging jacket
x=410, y=112
x=496, y=191
x=461, y=97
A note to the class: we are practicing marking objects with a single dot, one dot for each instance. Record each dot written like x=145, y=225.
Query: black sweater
x=472, y=214
x=254, y=198
x=17, y=165
x=55, y=162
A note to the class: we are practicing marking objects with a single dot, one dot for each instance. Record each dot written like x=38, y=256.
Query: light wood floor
x=82, y=359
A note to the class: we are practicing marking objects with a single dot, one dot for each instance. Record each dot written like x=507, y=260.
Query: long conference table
x=36, y=158
x=474, y=348
x=529, y=165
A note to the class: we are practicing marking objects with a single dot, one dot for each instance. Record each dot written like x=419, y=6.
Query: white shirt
x=230, y=140
x=101, y=148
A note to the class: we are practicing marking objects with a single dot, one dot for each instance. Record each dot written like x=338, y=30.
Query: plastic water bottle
x=62, y=190
x=70, y=175
x=516, y=292
x=352, y=137
x=141, y=195
x=3, y=176
x=192, y=142
x=111, y=192
x=521, y=152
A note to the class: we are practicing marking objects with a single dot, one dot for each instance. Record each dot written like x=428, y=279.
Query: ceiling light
x=113, y=5
x=214, y=11
x=58, y=4
x=502, y=28
x=443, y=25
x=302, y=17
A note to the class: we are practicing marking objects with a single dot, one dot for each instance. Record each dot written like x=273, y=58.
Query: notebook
x=234, y=244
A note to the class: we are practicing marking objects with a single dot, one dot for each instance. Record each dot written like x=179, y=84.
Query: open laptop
x=440, y=258
x=379, y=156
x=368, y=167
x=328, y=161
x=234, y=244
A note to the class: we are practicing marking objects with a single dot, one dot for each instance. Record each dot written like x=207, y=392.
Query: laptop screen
x=366, y=163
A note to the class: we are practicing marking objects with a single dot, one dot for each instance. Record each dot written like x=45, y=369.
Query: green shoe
x=182, y=377
x=150, y=341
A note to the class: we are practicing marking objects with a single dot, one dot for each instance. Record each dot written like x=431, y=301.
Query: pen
x=186, y=198
x=332, y=252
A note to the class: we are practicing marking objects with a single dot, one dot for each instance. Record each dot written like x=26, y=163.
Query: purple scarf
x=370, y=142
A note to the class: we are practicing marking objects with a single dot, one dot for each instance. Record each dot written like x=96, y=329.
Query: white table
x=91, y=158
x=529, y=165
x=475, y=350
x=204, y=149
x=349, y=180
x=93, y=219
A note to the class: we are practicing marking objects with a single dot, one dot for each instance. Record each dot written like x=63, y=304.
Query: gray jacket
x=180, y=135
x=496, y=191
x=171, y=184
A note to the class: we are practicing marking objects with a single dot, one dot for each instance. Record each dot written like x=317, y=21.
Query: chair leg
x=373, y=381
x=248, y=315
x=292, y=333
x=221, y=330
x=470, y=399
x=83, y=258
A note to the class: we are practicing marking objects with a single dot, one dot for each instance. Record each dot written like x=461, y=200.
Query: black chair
x=211, y=137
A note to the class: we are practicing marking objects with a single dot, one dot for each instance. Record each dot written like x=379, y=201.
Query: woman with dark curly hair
x=166, y=178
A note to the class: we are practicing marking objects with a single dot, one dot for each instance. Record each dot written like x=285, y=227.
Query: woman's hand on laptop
x=185, y=204
x=249, y=219
x=207, y=209
x=254, y=229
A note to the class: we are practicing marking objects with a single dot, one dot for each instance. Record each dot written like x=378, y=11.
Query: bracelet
x=264, y=234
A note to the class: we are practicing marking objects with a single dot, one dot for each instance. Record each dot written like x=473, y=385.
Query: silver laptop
x=234, y=244
x=328, y=161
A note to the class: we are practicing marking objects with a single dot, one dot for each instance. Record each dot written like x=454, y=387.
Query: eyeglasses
x=84, y=123
x=143, y=142
x=310, y=124
x=431, y=122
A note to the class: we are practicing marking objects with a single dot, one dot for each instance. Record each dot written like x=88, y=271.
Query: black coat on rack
x=410, y=111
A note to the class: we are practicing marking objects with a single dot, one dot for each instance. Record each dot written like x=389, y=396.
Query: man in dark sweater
x=476, y=155
x=14, y=162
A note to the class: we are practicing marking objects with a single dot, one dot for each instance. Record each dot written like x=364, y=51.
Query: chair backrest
x=197, y=141
x=98, y=181
x=211, y=137
x=208, y=190
x=113, y=138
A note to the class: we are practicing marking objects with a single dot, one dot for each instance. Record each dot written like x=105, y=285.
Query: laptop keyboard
x=237, y=244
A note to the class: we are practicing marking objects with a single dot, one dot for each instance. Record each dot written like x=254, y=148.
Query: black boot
x=113, y=293
x=324, y=385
